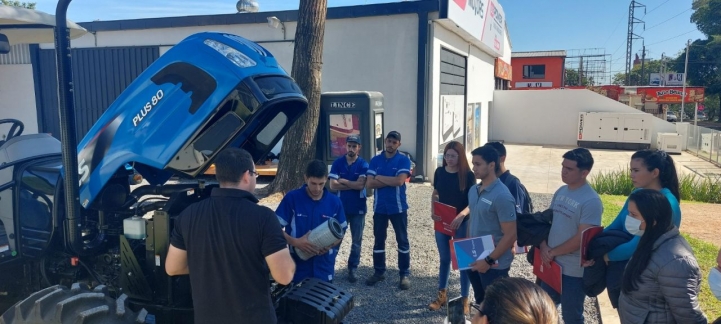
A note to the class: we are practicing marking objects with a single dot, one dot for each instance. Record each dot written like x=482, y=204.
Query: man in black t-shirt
x=228, y=244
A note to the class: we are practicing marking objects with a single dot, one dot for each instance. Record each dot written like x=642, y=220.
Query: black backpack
x=527, y=207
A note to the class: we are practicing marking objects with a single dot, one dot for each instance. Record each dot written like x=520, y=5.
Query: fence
x=704, y=143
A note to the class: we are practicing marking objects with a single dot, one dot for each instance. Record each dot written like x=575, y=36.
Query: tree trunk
x=300, y=142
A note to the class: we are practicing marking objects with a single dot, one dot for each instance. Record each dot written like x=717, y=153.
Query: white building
x=434, y=61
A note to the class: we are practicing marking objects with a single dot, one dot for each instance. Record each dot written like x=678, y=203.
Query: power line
x=661, y=23
x=614, y=30
x=663, y=3
x=674, y=37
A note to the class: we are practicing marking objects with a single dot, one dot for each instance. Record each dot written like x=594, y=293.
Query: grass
x=692, y=187
x=705, y=255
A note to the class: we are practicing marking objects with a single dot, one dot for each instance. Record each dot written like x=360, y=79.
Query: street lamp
x=274, y=22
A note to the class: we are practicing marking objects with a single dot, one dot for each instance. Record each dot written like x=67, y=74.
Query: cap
x=353, y=138
x=395, y=135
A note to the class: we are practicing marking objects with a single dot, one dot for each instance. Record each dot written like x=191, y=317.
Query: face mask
x=714, y=280
x=632, y=226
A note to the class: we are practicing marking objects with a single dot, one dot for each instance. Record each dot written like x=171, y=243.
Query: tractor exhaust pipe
x=68, y=136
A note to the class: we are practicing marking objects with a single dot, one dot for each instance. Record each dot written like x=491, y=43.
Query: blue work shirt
x=354, y=201
x=390, y=200
x=299, y=213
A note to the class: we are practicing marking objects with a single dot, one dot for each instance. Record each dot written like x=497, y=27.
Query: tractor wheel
x=60, y=305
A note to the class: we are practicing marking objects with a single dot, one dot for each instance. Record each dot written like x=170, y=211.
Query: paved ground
x=539, y=167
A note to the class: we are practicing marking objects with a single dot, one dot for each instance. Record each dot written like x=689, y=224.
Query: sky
x=534, y=25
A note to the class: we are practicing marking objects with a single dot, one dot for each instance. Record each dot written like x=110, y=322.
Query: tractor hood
x=209, y=92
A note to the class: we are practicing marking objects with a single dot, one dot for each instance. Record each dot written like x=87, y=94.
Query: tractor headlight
x=231, y=54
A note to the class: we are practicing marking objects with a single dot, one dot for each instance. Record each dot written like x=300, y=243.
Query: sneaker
x=375, y=278
x=404, y=284
x=351, y=276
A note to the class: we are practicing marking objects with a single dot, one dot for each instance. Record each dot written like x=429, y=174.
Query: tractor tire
x=60, y=305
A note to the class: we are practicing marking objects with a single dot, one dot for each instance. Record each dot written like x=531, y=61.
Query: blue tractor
x=82, y=226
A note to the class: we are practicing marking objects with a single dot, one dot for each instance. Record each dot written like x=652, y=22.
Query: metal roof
x=559, y=53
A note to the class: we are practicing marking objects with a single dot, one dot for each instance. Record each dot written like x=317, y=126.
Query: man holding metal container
x=314, y=223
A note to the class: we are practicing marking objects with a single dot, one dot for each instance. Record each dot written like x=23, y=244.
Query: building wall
x=17, y=97
x=554, y=71
x=479, y=90
x=550, y=117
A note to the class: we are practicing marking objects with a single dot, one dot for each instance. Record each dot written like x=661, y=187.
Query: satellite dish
x=247, y=6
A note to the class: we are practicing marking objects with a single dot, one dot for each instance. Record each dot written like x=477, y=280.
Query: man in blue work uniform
x=387, y=174
x=348, y=176
x=301, y=211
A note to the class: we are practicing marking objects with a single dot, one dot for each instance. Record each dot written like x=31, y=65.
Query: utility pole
x=663, y=69
x=643, y=64
x=580, y=72
x=685, y=70
x=632, y=21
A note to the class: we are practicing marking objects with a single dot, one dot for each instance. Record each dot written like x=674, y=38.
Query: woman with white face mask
x=662, y=280
x=650, y=169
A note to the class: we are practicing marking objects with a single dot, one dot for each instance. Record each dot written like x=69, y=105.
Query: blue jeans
x=356, y=223
x=572, y=298
x=380, y=231
x=480, y=281
x=444, y=251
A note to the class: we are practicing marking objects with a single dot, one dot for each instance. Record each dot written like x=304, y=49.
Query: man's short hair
x=582, y=156
x=499, y=147
x=316, y=169
x=231, y=164
x=488, y=154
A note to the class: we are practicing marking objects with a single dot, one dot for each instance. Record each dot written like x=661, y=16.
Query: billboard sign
x=484, y=20
x=666, y=79
x=667, y=95
x=503, y=70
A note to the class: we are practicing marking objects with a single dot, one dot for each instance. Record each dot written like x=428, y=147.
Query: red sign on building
x=666, y=95
x=503, y=70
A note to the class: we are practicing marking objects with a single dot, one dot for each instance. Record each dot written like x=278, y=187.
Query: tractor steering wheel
x=15, y=130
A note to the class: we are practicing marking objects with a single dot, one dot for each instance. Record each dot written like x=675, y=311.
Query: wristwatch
x=490, y=260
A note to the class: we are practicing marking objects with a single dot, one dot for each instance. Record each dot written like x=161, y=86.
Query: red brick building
x=538, y=70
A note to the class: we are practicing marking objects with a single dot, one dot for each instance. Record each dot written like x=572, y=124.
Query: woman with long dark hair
x=451, y=184
x=662, y=280
x=650, y=169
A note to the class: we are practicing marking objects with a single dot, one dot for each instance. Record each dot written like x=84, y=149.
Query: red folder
x=448, y=214
x=552, y=276
x=586, y=236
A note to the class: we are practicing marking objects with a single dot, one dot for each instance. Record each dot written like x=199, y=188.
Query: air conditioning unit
x=669, y=142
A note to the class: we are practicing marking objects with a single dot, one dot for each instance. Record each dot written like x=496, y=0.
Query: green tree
x=706, y=16
x=704, y=55
x=28, y=5
x=652, y=66
x=572, y=79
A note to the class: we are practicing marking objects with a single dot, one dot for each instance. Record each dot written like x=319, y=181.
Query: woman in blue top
x=650, y=169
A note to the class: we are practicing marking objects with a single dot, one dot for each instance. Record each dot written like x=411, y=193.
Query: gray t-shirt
x=571, y=208
x=494, y=205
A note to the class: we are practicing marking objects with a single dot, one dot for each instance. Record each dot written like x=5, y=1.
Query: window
x=502, y=84
x=534, y=71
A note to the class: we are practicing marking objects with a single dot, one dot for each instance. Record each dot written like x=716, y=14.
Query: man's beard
x=351, y=154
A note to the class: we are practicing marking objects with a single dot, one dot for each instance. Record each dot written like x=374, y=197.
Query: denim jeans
x=480, y=281
x=356, y=223
x=444, y=251
x=571, y=298
x=380, y=232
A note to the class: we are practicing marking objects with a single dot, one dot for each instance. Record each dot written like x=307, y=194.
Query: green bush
x=691, y=187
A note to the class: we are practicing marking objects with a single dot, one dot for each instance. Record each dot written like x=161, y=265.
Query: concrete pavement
x=539, y=167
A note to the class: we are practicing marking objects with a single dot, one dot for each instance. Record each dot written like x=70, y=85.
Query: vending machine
x=350, y=113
